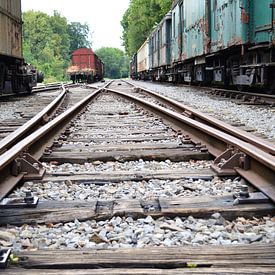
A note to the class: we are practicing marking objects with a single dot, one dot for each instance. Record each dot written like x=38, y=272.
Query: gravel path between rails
x=262, y=119
x=126, y=232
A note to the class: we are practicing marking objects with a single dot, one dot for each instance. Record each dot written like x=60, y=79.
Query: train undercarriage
x=16, y=76
x=247, y=68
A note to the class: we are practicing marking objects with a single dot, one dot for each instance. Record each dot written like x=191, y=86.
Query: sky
x=102, y=16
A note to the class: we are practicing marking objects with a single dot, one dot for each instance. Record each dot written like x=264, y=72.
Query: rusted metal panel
x=176, y=47
x=156, y=48
x=10, y=28
x=195, y=25
x=262, y=21
x=143, y=57
x=190, y=29
x=165, y=40
x=229, y=23
x=83, y=60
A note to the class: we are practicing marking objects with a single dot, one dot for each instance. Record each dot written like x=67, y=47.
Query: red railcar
x=86, y=66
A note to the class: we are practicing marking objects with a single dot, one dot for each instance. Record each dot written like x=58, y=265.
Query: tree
x=61, y=37
x=139, y=19
x=79, y=36
x=49, y=40
x=115, y=60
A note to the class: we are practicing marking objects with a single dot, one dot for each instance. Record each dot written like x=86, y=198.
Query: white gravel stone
x=144, y=189
x=142, y=232
x=261, y=119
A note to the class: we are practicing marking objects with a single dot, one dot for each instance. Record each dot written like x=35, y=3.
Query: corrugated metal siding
x=229, y=23
x=143, y=57
x=10, y=28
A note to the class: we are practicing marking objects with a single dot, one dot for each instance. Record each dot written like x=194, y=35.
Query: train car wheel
x=28, y=88
x=240, y=88
x=271, y=86
x=16, y=85
x=2, y=75
x=271, y=91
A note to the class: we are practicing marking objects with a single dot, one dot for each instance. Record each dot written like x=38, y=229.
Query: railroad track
x=17, y=110
x=52, y=87
x=129, y=173
x=242, y=97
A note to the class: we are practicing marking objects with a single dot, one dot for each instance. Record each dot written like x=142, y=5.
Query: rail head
x=36, y=142
x=41, y=117
x=239, y=133
x=219, y=142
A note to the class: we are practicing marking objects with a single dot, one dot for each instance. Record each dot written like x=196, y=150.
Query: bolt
x=187, y=137
x=28, y=197
x=204, y=149
x=221, y=163
x=244, y=193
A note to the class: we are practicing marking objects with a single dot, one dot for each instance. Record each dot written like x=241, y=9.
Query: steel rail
x=261, y=170
x=51, y=87
x=265, y=98
x=30, y=125
x=211, y=121
x=36, y=143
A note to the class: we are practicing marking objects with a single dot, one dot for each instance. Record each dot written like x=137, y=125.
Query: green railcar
x=226, y=42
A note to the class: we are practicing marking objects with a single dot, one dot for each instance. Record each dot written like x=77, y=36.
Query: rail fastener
x=4, y=257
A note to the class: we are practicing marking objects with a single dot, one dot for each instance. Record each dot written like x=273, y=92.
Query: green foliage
x=78, y=36
x=140, y=19
x=49, y=40
x=115, y=61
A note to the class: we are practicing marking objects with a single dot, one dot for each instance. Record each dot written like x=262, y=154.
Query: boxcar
x=160, y=49
x=190, y=39
x=86, y=67
x=143, y=61
x=228, y=42
x=242, y=43
x=15, y=75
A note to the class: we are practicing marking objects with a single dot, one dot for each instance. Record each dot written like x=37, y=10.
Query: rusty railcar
x=15, y=75
x=86, y=66
x=225, y=42
x=143, y=61
x=160, y=49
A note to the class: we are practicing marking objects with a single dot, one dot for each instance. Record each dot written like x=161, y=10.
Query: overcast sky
x=102, y=16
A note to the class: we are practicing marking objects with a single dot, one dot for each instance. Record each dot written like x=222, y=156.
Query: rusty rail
x=16, y=165
x=52, y=87
x=41, y=118
x=211, y=121
x=233, y=156
x=262, y=98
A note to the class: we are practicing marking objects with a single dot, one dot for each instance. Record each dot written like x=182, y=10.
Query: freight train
x=86, y=66
x=15, y=75
x=212, y=42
